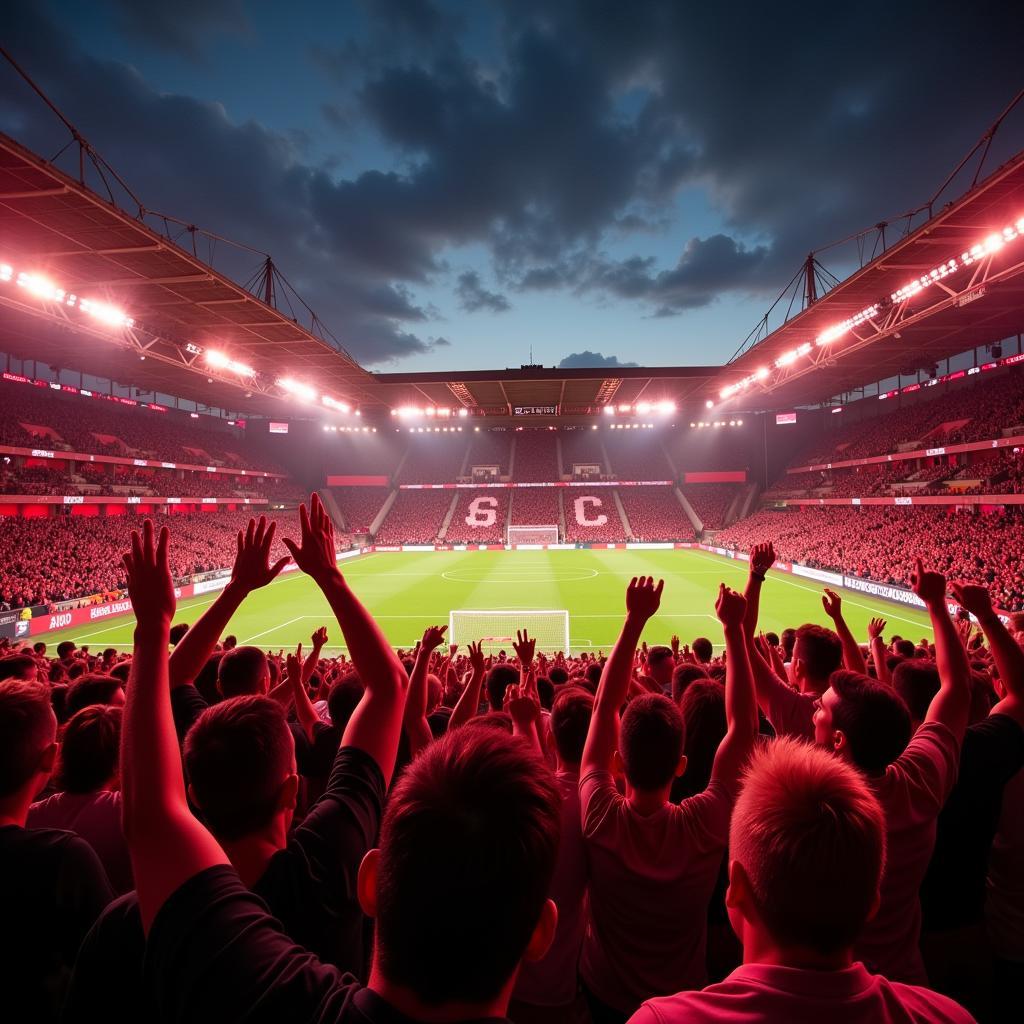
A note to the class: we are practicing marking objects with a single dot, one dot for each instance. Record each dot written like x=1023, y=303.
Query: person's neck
x=760, y=948
x=14, y=808
x=250, y=856
x=812, y=688
x=408, y=1003
x=647, y=801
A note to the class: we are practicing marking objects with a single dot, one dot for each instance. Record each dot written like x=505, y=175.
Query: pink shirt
x=96, y=817
x=651, y=879
x=756, y=993
x=912, y=793
x=552, y=981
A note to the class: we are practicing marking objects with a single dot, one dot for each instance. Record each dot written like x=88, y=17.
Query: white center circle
x=518, y=574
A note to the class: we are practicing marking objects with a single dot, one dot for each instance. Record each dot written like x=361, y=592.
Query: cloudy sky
x=450, y=183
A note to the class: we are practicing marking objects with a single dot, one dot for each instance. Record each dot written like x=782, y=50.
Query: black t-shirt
x=953, y=892
x=215, y=954
x=310, y=887
x=52, y=888
x=187, y=704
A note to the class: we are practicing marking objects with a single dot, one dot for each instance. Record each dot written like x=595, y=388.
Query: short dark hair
x=240, y=671
x=91, y=689
x=89, y=749
x=704, y=724
x=178, y=630
x=570, y=722
x=546, y=692
x=656, y=655
x=788, y=639
x=772, y=638
x=27, y=728
x=230, y=642
x=558, y=675
x=14, y=666
x=499, y=679
x=593, y=672
x=64, y=648
x=486, y=807
x=122, y=670
x=499, y=721
x=237, y=754
x=703, y=649
x=905, y=648
x=683, y=675
x=345, y=694
x=820, y=650
x=917, y=682
x=874, y=718
x=651, y=739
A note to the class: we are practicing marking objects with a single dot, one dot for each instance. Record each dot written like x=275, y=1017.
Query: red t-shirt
x=912, y=792
x=759, y=993
x=651, y=879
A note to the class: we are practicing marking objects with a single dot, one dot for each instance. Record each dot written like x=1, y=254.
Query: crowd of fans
x=592, y=515
x=636, y=455
x=537, y=456
x=881, y=542
x=360, y=505
x=711, y=502
x=480, y=517
x=535, y=506
x=655, y=513
x=808, y=827
x=415, y=517
x=581, y=447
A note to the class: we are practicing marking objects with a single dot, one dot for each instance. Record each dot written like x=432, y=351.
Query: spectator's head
x=497, y=721
x=703, y=650
x=651, y=740
x=87, y=761
x=806, y=848
x=230, y=642
x=772, y=638
x=65, y=649
x=39, y=648
x=93, y=688
x=18, y=666
x=683, y=675
x=499, y=679
x=917, y=682
x=704, y=725
x=817, y=653
x=983, y=696
x=243, y=672
x=121, y=671
x=788, y=640
x=345, y=694
x=570, y=720
x=904, y=648
x=546, y=692
x=240, y=762
x=593, y=673
x=863, y=721
x=434, y=693
x=660, y=664
x=558, y=675
x=178, y=630
x=485, y=807
x=28, y=743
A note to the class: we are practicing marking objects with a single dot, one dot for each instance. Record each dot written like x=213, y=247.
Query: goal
x=532, y=535
x=496, y=630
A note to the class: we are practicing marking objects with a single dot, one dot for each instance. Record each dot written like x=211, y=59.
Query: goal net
x=496, y=630
x=532, y=535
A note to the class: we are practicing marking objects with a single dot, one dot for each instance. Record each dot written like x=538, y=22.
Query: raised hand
x=293, y=666
x=319, y=638
x=832, y=603
x=875, y=628
x=643, y=598
x=150, y=586
x=433, y=637
x=977, y=600
x=762, y=557
x=252, y=568
x=730, y=606
x=453, y=649
x=674, y=642
x=524, y=648
x=522, y=704
x=314, y=553
x=476, y=657
x=929, y=586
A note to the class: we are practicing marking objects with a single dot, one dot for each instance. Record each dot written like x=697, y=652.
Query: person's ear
x=543, y=933
x=366, y=882
x=739, y=895
x=288, y=798
x=48, y=758
x=876, y=902
x=618, y=765
x=840, y=744
x=681, y=767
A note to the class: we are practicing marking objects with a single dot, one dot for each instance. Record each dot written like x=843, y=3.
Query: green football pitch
x=408, y=591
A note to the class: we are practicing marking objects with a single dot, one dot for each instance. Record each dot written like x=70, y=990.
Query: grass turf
x=408, y=591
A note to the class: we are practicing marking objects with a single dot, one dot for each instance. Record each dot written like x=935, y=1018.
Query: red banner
x=358, y=481
x=731, y=476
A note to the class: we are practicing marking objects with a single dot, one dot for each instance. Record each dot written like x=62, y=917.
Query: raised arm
x=468, y=704
x=376, y=724
x=951, y=705
x=643, y=599
x=319, y=640
x=876, y=627
x=167, y=844
x=853, y=657
x=417, y=728
x=252, y=570
x=295, y=677
x=1006, y=652
x=740, y=696
x=762, y=558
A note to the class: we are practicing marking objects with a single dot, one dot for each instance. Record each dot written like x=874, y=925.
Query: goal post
x=496, y=630
x=532, y=535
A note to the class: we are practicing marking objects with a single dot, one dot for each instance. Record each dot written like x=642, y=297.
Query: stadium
x=866, y=437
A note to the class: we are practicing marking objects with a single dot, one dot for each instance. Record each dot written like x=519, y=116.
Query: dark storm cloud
x=186, y=27
x=474, y=297
x=587, y=359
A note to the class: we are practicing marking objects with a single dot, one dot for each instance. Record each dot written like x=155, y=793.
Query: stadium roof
x=979, y=301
